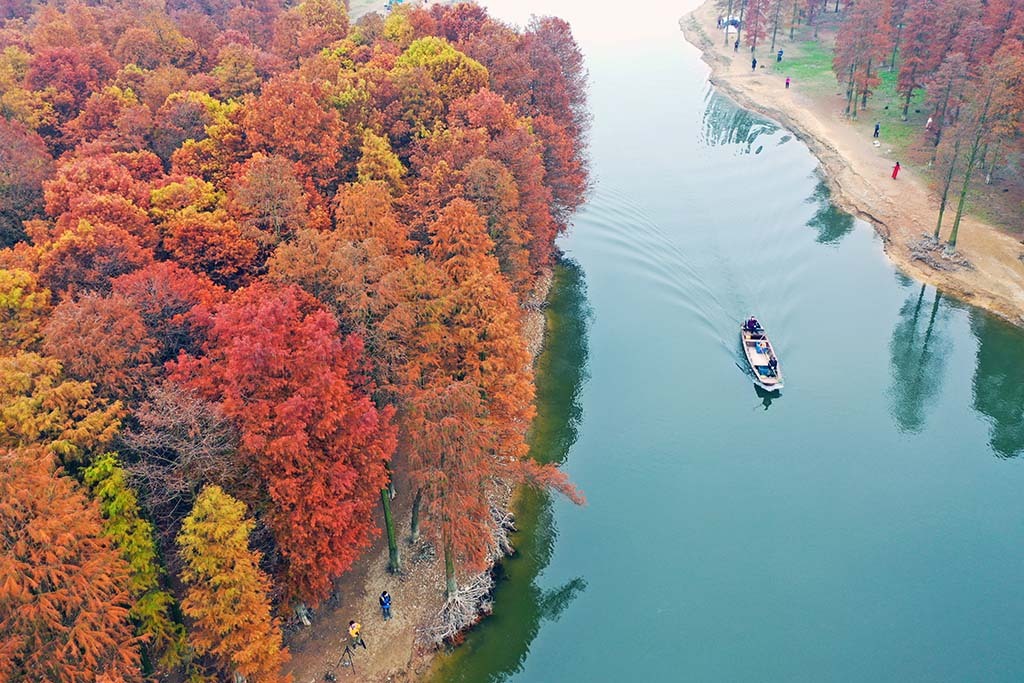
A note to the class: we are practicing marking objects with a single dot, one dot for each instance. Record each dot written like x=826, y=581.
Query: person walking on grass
x=385, y=605
x=878, y=128
x=355, y=635
x=895, y=170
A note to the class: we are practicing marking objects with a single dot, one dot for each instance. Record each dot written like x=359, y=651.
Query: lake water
x=866, y=525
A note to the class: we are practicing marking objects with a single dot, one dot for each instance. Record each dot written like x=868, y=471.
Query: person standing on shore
x=878, y=127
x=354, y=634
x=895, y=170
x=385, y=605
x=753, y=64
x=787, y=82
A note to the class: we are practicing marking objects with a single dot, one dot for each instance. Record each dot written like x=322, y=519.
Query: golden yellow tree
x=38, y=406
x=226, y=594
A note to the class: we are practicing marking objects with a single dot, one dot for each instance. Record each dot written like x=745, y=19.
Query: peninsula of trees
x=256, y=261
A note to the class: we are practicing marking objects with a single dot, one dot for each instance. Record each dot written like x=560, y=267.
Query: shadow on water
x=498, y=647
x=767, y=397
x=918, y=353
x=831, y=222
x=999, y=383
x=726, y=123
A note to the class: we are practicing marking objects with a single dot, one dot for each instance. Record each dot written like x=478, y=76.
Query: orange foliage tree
x=467, y=393
x=102, y=338
x=64, y=591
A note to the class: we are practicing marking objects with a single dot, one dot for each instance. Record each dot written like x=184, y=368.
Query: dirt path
x=858, y=173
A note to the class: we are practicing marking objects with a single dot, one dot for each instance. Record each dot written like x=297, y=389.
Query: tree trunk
x=945, y=188
x=450, y=586
x=980, y=126
x=849, y=90
x=910, y=95
x=394, y=557
x=414, y=528
x=728, y=15
x=896, y=48
x=867, y=77
x=837, y=6
x=796, y=19
x=739, y=29
x=940, y=119
x=989, y=162
x=775, y=23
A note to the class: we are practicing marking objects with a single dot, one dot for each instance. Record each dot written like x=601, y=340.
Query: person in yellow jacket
x=354, y=634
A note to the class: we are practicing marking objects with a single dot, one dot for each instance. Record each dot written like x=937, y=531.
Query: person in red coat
x=895, y=170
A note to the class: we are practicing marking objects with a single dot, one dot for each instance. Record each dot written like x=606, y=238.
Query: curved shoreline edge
x=996, y=283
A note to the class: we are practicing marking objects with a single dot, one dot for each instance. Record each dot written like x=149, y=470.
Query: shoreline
x=857, y=175
x=394, y=653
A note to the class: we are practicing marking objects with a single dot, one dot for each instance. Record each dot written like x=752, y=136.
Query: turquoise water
x=866, y=525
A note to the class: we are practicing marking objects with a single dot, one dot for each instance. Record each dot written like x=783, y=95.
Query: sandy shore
x=858, y=174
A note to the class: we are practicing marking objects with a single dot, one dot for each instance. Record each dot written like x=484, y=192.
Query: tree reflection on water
x=726, y=123
x=999, y=382
x=831, y=222
x=918, y=353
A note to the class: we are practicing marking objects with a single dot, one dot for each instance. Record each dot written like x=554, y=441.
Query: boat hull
x=759, y=352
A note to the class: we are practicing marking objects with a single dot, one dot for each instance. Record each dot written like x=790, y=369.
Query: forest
x=960, y=63
x=257, y=262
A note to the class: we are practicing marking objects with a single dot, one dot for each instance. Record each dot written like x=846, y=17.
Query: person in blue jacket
x=385, y=605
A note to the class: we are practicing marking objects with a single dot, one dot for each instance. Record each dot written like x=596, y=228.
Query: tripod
x=344, y=660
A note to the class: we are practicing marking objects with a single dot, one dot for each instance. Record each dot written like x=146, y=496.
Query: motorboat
x=760, y=354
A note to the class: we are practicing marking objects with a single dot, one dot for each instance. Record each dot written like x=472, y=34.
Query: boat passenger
x=773, y=363
x=752, y=325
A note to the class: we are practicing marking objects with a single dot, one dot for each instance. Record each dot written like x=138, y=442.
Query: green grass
x=886, y=106
x=808, y=63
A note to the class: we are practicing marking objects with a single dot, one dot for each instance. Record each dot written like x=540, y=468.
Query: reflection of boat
x=766, y=396
x=761, y=356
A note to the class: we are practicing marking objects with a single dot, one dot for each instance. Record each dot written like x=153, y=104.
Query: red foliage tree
x=316, y=445
x=756, y=22
x=24, y=165
x=126, y=174
x=467, y=390
x=69, y=74
x=862, y=45
x=173, y=303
